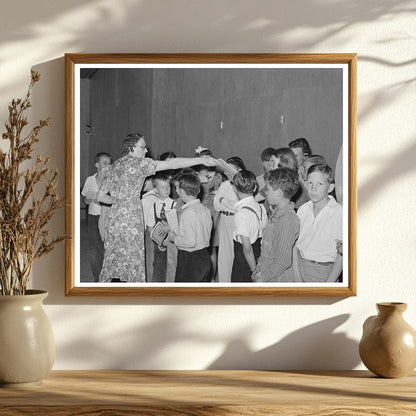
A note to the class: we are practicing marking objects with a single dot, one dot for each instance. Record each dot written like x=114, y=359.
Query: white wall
x=198, y=333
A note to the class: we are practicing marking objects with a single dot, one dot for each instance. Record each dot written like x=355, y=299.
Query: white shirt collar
x=248, y=200
x=164, y=201
x=331, y=203
x=193, y=202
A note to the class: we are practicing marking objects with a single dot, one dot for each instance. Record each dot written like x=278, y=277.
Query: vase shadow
x=314, y=347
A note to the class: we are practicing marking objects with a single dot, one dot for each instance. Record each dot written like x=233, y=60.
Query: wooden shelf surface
x=203, y=393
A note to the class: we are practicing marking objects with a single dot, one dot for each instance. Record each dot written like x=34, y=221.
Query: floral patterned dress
x=124, y=256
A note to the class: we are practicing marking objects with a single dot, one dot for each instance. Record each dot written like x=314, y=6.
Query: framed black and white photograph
x=211, y=174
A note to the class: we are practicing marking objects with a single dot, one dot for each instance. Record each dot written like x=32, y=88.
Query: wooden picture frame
x=74, y=63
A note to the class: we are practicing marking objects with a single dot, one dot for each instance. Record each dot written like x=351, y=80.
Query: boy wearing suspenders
x=155, y=207
x=250, y=220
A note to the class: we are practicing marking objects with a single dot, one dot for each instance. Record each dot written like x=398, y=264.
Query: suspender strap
x=258, y=218
x=255, y=213
x=157, y=219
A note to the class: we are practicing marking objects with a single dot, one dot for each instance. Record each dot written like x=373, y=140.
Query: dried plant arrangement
x=28, y=198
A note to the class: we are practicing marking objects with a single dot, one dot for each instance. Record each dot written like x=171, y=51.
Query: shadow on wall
x=397, y=166
x=136, y=20
x=141, y=347
x=101, y=25
x=313, y=347
x=316, y=346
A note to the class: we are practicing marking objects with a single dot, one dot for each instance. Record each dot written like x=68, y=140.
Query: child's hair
x=188, y=170
x=178, y=174
x=266, y=154
x=129, y=142
x=167, y=155
x=161, y=176
x=287, y=158
x=98, y=156
x=245, y=182
x=237, y=162
x=316, y=160
x=202, y=151
x=303, y=144
x=324, y=169
x=190, y=183
x=285, y=179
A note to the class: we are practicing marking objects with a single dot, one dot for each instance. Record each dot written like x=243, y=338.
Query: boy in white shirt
x=89, y=192
x=250, y=220
x=316, y=256
x=195, y=225
x=156, y=204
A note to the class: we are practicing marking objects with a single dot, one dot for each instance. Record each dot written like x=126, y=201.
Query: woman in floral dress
x=124, y=257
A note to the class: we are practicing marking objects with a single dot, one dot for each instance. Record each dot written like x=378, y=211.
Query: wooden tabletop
x=188, y=393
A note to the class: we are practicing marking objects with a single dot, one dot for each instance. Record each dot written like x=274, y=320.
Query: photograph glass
x=210, y=175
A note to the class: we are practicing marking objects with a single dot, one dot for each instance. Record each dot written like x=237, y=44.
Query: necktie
x=163, y=212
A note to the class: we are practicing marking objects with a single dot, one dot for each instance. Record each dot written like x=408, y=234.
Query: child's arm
x=248, y=252
x=339, y=247
x=227, y=204
x=336, y=269
x=296, y=272
x=148, y=216
x=187, y=231
x=221, y=202
x=88, y=195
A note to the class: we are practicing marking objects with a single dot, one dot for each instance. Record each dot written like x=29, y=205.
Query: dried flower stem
x=23, y=218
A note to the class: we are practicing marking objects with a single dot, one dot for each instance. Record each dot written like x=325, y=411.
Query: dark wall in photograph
x=85, y=132
x=232, y=111
x=119, y=102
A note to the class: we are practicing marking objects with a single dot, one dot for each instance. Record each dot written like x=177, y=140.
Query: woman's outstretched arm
x=184, y=162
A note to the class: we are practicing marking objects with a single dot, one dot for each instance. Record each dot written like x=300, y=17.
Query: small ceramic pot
x=27, y=347
x=388, y=345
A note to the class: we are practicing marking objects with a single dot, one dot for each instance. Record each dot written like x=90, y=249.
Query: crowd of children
x=205, y=225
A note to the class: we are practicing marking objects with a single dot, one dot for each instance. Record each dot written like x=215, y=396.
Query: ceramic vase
x=27, y=347
x=388, y=345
